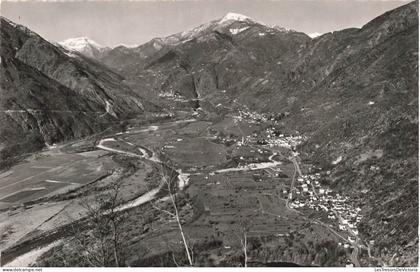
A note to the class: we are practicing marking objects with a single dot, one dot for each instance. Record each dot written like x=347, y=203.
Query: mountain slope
x=49, y=94
x=370, y=106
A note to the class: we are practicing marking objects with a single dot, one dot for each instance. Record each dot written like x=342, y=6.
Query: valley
x=230, y=181
x=234, y=143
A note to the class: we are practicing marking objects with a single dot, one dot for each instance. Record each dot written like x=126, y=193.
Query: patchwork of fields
x=230, y=184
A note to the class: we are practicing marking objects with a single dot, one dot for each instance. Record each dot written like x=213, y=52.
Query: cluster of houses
x=309, y=193
x=252, y=117
x=272, y=138
x=287, y=141
x=255, y=117
x=170, y=94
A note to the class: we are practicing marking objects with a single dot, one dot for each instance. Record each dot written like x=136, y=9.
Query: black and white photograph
x=209, y=133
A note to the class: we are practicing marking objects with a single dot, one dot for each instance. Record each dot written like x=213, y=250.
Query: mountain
x=85, y=46
x=360, y=104
x=49, y=94
x=353, y=94
x=210, y=57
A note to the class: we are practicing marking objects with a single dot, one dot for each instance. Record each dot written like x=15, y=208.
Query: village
x=307, y=192
x=270, y=137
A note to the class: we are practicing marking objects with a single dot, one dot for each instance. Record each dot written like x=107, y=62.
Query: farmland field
x=228, y=182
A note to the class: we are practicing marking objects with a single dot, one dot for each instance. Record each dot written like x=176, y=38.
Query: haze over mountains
x=353, y=95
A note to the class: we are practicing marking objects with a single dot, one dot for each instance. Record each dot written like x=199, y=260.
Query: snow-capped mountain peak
x=83, y=45
x=314, y=35
x=234, y=17
x=79, y=43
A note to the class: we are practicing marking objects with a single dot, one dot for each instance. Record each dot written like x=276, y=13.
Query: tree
x=100, y=245
x=244, y=227
x=169, y=182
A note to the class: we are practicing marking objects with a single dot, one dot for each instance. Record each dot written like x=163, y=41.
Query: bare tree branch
x=169, y=182
x=100, y=245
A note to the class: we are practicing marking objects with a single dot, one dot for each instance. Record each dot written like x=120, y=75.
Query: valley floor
x=225, y=180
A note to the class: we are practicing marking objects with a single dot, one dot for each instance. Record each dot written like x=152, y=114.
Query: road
x=292, y=185
x=354, y=257
x=296, y=174
x=253, y=166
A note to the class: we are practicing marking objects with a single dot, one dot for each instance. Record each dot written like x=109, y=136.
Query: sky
x=135, y=22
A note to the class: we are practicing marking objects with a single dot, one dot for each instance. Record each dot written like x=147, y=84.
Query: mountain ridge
x=84, y=94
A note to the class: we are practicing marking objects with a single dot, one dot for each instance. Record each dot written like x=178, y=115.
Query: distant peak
x=79, y=42
x=234, y=17
x=126, y=45
x=314, y=35
x=83, y=45
x=231, y=17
